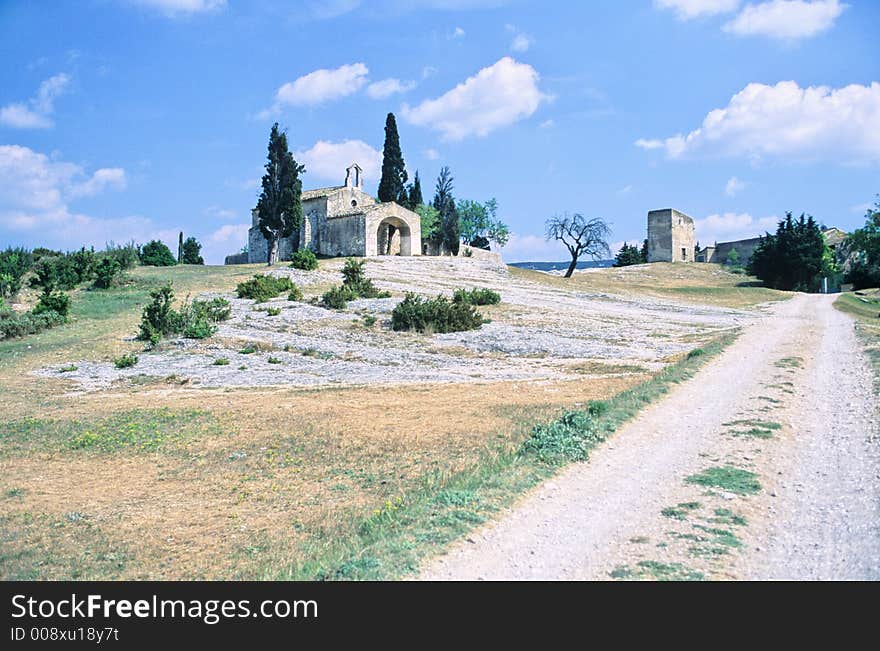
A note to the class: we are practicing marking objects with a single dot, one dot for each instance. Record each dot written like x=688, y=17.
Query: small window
x=684, y=253
x=354, y=203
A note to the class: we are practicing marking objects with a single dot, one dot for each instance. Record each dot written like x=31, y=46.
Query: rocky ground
x=765, y=465
x=537, y=333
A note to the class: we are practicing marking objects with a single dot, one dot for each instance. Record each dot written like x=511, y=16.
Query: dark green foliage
x=864, y=243
x=159, y=319
x=261, y=288
x=106, y=272
x=190, y=251
x=793, y=258
x=414, y=198
x=126, y=255
x=55, y=272
x=304, y=260
x=53, y=301
x=444, y=204
x=696, y=352
x=337, y=298
x=568, y=439
x=20, y=324
x=14, y=263
x=436, y=315
x=356, y=280
x=273, y=311
x=195, y=320
x=430, y=222
x=392, y=185
x=280, y=203
x=83, y=262
x=42, y=252
x=295, y=294
x=628, y=255
x=126, y=361
x=157, y=254
x=644, y=250
x=479, y=296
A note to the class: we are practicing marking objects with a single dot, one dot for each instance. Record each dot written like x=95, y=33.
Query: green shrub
x=295, y=294
x=247, y=350
x=434, y=315
x=337, y=298
x=190, y=253
x=83, y=263
x=126, y=361
x=568, y=439
x=221, y=361
x=158, y=319
x=369, y=321
x=126, y=255
x=273, y=311
x=305, y=260
x=107, y=270
x=274, y=360
x=199, y=329
x=481, y=296
x=56, y=272
x=215, y=310
x=356, y=281
x=696, y=352
x=261, y=288
x=14, y=263
x=57, y=302
x=156, y=254
x=14, y=324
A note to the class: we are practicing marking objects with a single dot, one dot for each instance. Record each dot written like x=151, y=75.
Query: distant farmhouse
x=342, y=221
x=671, y=239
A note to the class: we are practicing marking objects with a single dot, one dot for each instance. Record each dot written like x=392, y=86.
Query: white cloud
x=35, y=115
x=182, y=7
x=731, y=226
x=428, y=71
x=649, y=144
x=332, y=8
x=322, y=86
x=688, y=9
x=432, y=154
x=220, y=213
x=547, y=124
x=228, y=239
x=625, y=190
x=458, y=32
x=521, y=43
x=734, y=187
x=862, y=208
x=786, y=19
x=497, y=96
x=533, y=248
x=328, y=160
x=786, y=120
x=388, y=87
x=35, y=196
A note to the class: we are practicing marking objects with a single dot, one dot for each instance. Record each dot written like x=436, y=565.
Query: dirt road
x=764, y=465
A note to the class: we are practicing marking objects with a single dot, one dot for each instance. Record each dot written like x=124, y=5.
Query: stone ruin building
x=340, y=221
x=670, y=236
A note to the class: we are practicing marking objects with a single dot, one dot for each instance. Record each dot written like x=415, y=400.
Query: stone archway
x=393, y=237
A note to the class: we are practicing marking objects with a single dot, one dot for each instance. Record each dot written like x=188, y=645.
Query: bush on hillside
x=106, y=273
x=570, y=438
x=261, y=288
x=436, y=315
x=195, y=320
x=337, y=298
x=14, y=264
x=53, y=301
x=126, y=255
x=356, y=280
x=20, y=324
x=157, y=254
x=479, y=296
x=305, y=260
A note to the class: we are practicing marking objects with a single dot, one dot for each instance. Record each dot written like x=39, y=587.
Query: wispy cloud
x=35, y=113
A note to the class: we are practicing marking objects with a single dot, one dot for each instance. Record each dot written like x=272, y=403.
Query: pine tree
x=191, y=252
x=180, y=248
x=392, y=186
x=415, y=193
x=280, y=206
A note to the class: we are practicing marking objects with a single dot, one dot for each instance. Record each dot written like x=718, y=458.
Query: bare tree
x=581, y=236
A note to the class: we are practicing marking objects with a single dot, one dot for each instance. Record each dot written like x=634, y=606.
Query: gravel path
x=816, y=515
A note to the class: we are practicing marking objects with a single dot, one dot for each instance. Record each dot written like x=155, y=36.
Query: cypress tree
x=392, y=186
x=180, y=248
x=280, y=205
x=415, y=193
x=444, y=203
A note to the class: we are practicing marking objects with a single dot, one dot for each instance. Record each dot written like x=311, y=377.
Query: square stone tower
x=670, y=236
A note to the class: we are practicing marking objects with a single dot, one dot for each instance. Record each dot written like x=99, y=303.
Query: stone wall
x=745, y=249
x=670, y=236
x=402, y=219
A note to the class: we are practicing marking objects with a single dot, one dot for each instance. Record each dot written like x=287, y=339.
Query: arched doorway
x=393, y=237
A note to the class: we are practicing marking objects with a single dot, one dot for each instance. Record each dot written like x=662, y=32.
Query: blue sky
x=124, y=119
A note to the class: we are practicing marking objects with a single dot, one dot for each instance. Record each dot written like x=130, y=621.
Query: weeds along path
x=762, y=465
